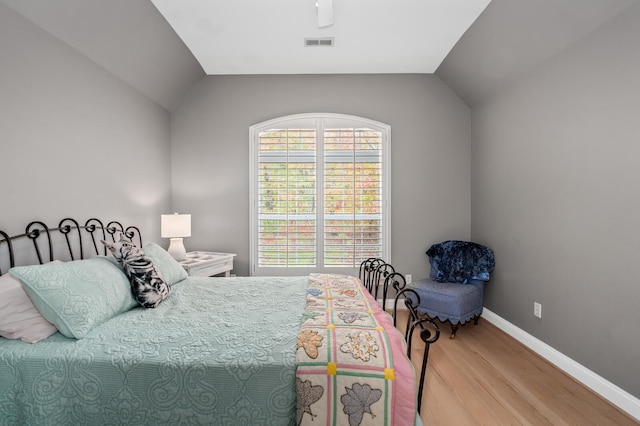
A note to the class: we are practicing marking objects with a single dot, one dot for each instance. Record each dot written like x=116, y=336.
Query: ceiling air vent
x=316, y=42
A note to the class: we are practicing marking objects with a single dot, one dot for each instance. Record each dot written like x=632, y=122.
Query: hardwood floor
x=485, y=377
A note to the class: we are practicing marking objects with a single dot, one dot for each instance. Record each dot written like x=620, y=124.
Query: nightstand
x=207, y=263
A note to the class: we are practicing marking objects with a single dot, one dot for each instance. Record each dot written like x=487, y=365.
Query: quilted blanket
x=219, y=351
x=351, y=368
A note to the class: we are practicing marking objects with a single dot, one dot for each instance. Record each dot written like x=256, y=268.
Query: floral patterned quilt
x=351, y=363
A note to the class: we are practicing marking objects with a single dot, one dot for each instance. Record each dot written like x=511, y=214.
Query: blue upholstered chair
x=454, y=291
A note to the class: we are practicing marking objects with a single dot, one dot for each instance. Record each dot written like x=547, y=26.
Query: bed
x=229, y=351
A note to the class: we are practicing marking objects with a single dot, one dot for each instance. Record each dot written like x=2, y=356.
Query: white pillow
x=19, y=318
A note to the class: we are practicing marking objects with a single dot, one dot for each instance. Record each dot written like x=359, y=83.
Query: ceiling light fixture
x=325, y=13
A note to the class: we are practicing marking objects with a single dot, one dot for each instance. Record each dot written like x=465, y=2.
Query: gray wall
x=75, y=140
x=430, y=130
x=555, y=192
x=510, y=38
x=129, y=38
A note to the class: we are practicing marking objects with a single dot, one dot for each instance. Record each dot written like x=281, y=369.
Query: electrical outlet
x=408, y=278
x=537, y=310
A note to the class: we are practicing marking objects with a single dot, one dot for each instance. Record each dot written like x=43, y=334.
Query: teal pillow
x=77, y=296
x=169, y=268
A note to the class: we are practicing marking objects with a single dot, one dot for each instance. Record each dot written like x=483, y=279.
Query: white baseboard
x=617, y=396
x=389, y=304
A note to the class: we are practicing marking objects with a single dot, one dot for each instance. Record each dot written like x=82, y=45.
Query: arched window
x=320, y=185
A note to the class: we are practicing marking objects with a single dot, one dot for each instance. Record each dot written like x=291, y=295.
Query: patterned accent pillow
x=148, y=286
x=77, y=296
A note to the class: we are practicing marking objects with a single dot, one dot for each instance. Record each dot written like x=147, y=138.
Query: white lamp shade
x=175, y=225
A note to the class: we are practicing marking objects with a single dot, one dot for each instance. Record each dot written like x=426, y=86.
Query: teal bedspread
x=217, y=351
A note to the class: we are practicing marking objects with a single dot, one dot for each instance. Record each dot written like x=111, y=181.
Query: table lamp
x=176, y=227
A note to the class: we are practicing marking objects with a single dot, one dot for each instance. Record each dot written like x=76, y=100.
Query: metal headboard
x=41, y=236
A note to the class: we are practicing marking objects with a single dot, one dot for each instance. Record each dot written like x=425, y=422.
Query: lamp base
x=176, y=249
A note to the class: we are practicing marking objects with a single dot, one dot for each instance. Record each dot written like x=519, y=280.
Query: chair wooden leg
x=476, y=319
x=454, y=329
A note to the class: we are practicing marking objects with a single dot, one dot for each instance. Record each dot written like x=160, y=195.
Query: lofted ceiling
x=163, y=48
x=513, y=37
x=370, y=36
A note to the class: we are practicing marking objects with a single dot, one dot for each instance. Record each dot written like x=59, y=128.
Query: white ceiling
x=371, y=36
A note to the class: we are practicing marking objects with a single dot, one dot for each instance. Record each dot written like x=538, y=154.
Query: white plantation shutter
x=319, y=194
x=287, y=198
x=352, y=196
